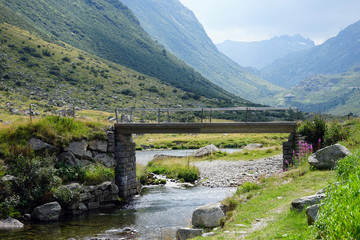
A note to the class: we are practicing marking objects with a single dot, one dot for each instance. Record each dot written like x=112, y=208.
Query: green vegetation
x=95, y=174
x=245, y=155
x=39, y=75
x=179, y=169
x=340, y=215
x=52, y=129
x=109, y=30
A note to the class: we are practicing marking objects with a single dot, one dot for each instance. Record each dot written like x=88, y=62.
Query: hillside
x=35, y=71
x=177, y=29
x=261, y=53
x=108, y=29
x=334, y=56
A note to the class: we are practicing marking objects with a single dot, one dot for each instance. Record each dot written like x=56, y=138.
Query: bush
x=247, y=187
x=66, y=59
x=339, y=218
x=95, y=174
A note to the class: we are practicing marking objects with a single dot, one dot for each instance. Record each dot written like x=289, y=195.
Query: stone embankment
x=234, y=173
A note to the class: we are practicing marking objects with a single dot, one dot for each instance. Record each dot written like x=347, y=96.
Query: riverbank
x=220, y=173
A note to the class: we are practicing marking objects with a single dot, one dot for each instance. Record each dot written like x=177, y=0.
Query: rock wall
x=125, y=165
x=292, y=145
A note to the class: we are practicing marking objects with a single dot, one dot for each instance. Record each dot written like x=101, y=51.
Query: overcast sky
x=254, y=20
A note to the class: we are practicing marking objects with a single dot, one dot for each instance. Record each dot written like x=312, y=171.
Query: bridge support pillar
x=125, y=168
x=290, y=147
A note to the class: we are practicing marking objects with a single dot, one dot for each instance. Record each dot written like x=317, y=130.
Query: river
x=154, y=215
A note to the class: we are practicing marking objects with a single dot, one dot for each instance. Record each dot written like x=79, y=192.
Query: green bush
x=95, y=174
x=247, y=187
x=339, y=218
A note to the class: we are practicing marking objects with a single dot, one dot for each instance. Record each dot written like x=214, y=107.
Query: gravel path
x=233, y=173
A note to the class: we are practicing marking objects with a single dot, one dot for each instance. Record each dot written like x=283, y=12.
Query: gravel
x=233, y=173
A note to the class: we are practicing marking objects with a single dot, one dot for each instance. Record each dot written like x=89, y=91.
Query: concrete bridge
x=125, y=170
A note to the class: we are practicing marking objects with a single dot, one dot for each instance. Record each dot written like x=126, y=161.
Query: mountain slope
x=262, y=53
x=176, y=27
x=336, y=55
x=33, y=70
x=107, y=28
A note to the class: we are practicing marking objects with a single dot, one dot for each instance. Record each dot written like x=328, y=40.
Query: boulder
x=300, y=203
x=105, y=159
x=253, y=146
x=41, y=147
x=98, y=145
x=188, y=233
x=207, y=216
x=10, y=223
x=68, y=158
x=326, y=158
x=47, y=212
x=205, y=151
x=78, y=148
x=312, y=212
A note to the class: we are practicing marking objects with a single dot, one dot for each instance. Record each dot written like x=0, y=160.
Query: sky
x=255, y=20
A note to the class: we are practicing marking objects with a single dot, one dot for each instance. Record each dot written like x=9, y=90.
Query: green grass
x=176, y=168
x=246, y=155
x=52, y=129
x=96, y=174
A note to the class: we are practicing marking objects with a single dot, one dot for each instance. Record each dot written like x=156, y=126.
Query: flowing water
x=154, y=215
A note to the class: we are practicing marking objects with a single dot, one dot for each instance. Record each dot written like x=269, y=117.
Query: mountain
x=177, y=29
x=261, y=53
x=108, y=29
x=334, y=56
x=36, y=71
x=336, y=94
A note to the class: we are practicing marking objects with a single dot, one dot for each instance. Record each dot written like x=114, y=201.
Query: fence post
x=202, y=115
x=73, y=112
x=159, y=115
x=210, y=115
x=116, y=116
x=168, y=115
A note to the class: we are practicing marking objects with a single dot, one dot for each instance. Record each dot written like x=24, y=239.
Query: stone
x=107, y=205
x=312, y=212
x=207, y=216
x=205, y=151
x=47, y=212
x=27, y=217
x=253, y=146
x=327, y=158
x=40, y=147
x=105, y=159
x=78, y=148
x=10, y=223
x=68, y=158
x=83, y=207
x=98, y=145
x=300, y=203
x=93, y=205
x=187, y=233
x=8, y=178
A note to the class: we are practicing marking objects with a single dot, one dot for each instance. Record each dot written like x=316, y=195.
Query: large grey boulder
x=207, y=216
x=105, y=159
x=312, y=213
x=327, y=158
x=205, y=151
x=47, y=212
x=188, y=233
x=68, y=158
x=253, y=146
x=10, y=223
x=78, y=148
x=98, y=145
x=300, y=203
x=41, y=147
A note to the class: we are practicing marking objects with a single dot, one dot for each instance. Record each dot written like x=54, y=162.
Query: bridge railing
x=209, y=115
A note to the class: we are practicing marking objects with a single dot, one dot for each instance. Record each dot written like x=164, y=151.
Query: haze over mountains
x=177, y=29
x=262, y=53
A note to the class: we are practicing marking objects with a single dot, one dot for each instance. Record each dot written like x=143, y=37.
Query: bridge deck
x=240, y=127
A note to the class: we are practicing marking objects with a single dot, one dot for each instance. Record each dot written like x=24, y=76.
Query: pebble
x=233, y=173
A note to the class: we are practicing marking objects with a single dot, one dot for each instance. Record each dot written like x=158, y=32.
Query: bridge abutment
x=125, y=168
x=293, y=145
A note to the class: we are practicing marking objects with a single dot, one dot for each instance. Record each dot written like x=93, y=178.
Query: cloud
x=261, y=19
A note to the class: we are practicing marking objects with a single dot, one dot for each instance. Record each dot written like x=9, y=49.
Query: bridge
x=200, y=121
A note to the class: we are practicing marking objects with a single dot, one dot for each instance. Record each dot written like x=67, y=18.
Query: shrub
x=247, y=187
x=313, y=131
x=95, y=174
x=66, y=59
x=339, y=218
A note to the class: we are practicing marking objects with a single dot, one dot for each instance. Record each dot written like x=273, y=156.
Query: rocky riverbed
x=234, y=173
